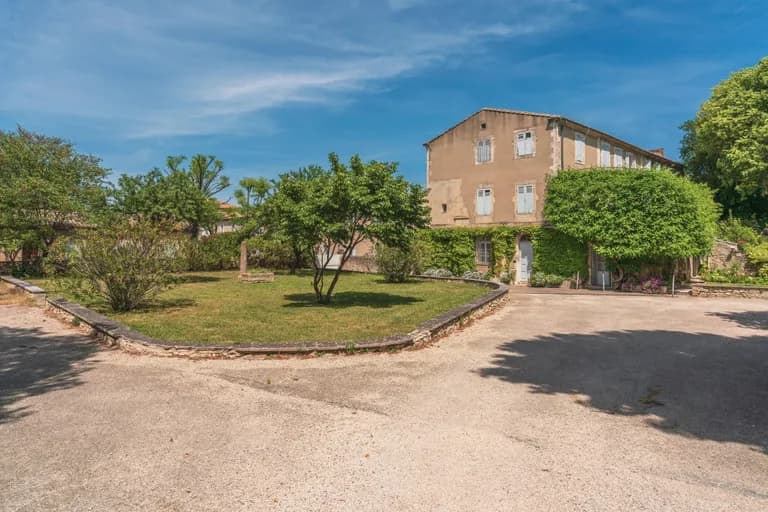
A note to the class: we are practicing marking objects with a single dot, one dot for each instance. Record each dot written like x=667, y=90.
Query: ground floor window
x=484, y=252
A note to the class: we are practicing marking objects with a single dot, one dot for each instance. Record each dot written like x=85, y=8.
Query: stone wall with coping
x=721, y=290
x=17, y=286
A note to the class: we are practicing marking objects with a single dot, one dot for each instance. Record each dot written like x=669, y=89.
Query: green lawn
x=213, y=307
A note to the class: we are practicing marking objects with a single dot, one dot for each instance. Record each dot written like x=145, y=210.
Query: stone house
x=490, y=169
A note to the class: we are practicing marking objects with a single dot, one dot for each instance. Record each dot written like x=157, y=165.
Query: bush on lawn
x=127, y=265
x=216, y=252
x=398, y=263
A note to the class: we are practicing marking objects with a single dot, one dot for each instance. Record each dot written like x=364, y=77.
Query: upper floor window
x=647, y=163
x=484, y=203
x=524, y=199
x=483, y=151
x=605, y=154
x=618, y=157
x=524, y=144
x=630, y=160
x=580, y=144
x=483, y=251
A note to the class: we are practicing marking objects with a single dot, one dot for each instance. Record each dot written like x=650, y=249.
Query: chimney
x=657, y=151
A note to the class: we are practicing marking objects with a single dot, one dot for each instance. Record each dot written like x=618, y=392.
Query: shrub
x=476, y=274
x=273, y=253
x=127, y=265
x=398, y=263
x=216, y=252
x=506, y=277
x=735, y=230
x=438, y=272
x=540, y=280
x=652, y=284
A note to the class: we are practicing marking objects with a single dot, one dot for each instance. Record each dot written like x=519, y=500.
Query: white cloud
x=152, y=69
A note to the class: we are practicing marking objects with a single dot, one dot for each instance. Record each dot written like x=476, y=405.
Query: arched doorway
x=524, y=260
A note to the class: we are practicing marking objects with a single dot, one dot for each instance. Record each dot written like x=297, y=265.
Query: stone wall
x=726, y=255
x=718, y=290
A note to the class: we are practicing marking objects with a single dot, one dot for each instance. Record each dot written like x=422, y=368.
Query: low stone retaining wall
x=115, y=334
x=727, y=290
x=17, y=286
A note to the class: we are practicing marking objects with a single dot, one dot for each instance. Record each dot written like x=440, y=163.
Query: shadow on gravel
x=697, y=385
x=751, y=319
x=33, y=363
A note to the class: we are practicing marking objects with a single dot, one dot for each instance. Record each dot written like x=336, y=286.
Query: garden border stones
x=113, y=333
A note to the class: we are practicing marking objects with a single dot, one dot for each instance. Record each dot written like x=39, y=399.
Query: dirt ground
x=556, y=402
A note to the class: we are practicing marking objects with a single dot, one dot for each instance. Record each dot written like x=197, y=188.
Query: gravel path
x=557, y=402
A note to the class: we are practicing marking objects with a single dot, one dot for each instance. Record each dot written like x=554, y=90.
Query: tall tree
x=329, y=212
x=205, y=173
x=726, y=144
x=250, y=199
x=45, y=186
x=164, y=197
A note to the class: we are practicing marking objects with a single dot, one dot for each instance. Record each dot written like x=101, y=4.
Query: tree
x=164, y=197
x=250, y=199
x=46, y=187
x=329, y=212
x=726, y=144
x=205, y=173
x=633, y=213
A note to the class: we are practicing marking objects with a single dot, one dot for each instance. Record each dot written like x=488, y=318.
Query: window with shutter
x=580, y=145
x=483, y=252
x=605, y=154
x=483, y=204
x=524, y=144
x=524, y=199
x=483, y=151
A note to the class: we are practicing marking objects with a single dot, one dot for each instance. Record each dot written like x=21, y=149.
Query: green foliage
x=127, y=265
x=725, y=145
x=160, y=197
x=559, y=254
x=735, y=275
x=757, y=254
x=398, y=263
x=220, y=251
x=180, y=195
x=541, y=279
x=250, y=197
x=455, y=248
x=330, y=211
x=274, y=253
x=633, y=213
x=736, y=230
x=46, y=187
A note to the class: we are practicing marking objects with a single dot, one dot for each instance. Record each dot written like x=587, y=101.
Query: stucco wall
x=454, y=177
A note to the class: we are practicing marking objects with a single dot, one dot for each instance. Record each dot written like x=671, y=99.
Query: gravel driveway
x=557, y=402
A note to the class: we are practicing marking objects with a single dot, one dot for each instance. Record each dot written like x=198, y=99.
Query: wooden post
x=243, y=258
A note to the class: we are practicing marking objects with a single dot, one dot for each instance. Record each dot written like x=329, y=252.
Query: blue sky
x=272, y=85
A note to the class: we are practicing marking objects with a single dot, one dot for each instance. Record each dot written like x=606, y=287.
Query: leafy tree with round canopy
x=633, y=213
x=330, y=211
x=726, y=144
x=46, y=186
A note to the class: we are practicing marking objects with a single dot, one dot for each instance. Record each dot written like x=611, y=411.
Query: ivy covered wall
x=454, y=249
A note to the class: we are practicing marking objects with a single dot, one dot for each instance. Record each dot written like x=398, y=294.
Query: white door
x=526, y=261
